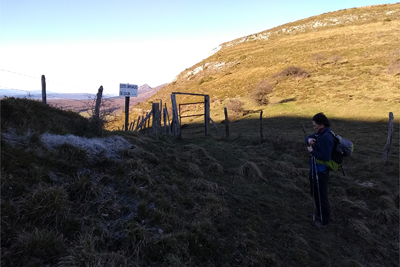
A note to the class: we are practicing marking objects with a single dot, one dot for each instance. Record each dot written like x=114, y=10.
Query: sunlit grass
x=353, y=70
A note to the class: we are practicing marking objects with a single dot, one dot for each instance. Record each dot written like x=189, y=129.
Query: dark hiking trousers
x=323, y=178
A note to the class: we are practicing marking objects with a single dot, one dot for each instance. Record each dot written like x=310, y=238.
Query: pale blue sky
x=86, y=44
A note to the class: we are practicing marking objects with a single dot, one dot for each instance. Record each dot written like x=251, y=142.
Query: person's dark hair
x=320, y=118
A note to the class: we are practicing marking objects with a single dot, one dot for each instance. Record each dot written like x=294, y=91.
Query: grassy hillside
x=159, y=201
x=352, y=57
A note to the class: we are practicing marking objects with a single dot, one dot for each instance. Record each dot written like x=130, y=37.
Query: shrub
x=235, y=105
x=292, y=71
x=261, y=92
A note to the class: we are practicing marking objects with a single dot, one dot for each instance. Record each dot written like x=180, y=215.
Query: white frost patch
x=12, y=138
x=365, y=184
x=110, y=146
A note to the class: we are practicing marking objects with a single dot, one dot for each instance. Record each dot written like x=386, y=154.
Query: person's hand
x=310, y=149
x=311, y=141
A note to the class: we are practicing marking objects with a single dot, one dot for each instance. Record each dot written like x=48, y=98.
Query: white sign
x=126, y=89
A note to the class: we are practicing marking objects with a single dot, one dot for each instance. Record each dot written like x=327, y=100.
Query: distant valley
x=81, y=102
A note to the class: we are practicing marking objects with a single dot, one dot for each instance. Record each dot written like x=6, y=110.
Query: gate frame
x=176, y=130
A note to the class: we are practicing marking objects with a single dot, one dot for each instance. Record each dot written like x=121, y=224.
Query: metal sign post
x=127, y=90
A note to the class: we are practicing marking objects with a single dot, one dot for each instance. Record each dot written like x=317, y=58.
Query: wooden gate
x=176, y=118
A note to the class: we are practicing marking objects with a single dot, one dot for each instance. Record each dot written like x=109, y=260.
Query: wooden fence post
x=98, y=103
x=261, y=127
x=156, y=113
x=148, y=126
x=206, y=114
x=127, y=98
x=169, y=125
x=142, y=124
x=44, y=90
x=144, y=128
x=175, y=120
x=389, y=138
x=165, y=121
x=159, y=118
x=131, y=125
x=227, y=132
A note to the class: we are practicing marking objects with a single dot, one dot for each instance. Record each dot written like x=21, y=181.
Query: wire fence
x=37, y=95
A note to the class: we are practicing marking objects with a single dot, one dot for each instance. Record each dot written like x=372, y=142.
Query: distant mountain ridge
x=315, y=23
x=37, y=94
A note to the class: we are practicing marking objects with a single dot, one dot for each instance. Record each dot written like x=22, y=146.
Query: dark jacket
x=322, y=149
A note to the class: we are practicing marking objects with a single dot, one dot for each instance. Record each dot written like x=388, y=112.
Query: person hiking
x=320, y=145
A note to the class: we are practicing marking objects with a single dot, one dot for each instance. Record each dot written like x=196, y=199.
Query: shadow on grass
x=195, y=201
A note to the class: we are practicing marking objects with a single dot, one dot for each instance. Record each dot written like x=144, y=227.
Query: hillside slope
x=70, y=197
x=352, y=57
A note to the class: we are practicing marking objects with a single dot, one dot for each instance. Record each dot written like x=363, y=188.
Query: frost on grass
x=94, y=146
x=109, y=147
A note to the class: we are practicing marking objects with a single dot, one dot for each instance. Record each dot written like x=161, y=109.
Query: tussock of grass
x=45, y=206
x=31, y=247
x=250, y=170
x=216, y=167
x=194, y=170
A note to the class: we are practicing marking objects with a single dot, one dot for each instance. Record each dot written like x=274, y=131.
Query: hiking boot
x=318, y=225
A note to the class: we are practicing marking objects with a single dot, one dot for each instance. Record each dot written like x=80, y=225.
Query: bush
x=261, y=92
x=295, y=72
x=235, y=105
x=235, y=109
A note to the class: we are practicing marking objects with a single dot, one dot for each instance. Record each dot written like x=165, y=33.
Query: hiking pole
x=319, y=195
x=313, y=193
x=341, y=167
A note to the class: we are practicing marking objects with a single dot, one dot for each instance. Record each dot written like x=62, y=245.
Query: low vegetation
x=261, y=92
x=197, y=201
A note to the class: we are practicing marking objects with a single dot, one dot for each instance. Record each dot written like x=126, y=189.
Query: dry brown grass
x=394, y=68
x=357, y=55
